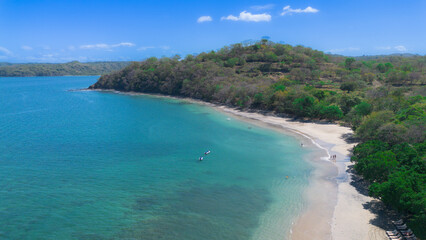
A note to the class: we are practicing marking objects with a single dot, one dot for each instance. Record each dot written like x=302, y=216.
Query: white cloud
x=107, y=46
x=204, y=19
x=399, y=48
x=230, y=17
x=124, y=44
x=152, y=47
x=288, y=10
x=145, y=48
x=249, y=17
x=27, y=48
x=262, y=7
x=384, y=48
x=5, y=51
x=348, y=49
x=93, y=46
x=56, y=58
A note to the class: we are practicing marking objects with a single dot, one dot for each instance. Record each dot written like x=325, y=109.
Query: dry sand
x=335, y=208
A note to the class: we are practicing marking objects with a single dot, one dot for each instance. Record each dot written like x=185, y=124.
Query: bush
x=363, y=109
x=332, y=112
x=348, y=86
x=303, y=106
x=369, y=126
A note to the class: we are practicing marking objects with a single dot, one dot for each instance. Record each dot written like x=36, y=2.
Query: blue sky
x=100, y=30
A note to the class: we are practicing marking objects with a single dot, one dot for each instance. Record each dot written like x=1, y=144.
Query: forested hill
x=236, y=75
x=59, y=69
x=381, y=97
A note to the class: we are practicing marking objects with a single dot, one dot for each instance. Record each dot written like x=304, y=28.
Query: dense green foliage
x=381, y=98
x=59, y=69
x=392, y=154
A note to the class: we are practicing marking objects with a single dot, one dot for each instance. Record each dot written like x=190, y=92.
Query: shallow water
x=97, y=165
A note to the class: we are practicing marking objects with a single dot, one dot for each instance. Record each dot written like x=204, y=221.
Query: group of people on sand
x=333, y=157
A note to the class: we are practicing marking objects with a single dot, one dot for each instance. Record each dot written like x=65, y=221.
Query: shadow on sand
x=383, y=214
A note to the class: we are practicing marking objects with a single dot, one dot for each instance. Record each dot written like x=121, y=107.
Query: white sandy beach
x=335, y=208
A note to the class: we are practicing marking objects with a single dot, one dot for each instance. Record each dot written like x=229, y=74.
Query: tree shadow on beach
x=349, y=138
x=357, y=181
x=383, y=214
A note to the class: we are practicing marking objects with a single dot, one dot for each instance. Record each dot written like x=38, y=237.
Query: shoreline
x=335, y=208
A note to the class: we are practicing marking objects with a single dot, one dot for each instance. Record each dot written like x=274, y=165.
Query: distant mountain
x=388, y=56
x=59, y=69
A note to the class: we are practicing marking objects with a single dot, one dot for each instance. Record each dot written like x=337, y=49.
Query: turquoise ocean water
x=97, y=165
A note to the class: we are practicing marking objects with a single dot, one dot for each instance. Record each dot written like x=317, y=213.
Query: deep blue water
x=98, y=165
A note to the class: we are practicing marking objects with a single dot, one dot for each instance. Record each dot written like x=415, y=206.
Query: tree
x=381, y=67
x=332, y=112
x=378, y=166
x=391, y=133
x=363, y=109
x=258, y=99
x=384, y=67
x=410, y=155
x=405, y=191
x=348, y=62
x=348, y=86
x=319, y=94
x=303, y=106
x=369, y=126
x=231, y=62
x=368, y=148
x=347, y=101
x=270, y=57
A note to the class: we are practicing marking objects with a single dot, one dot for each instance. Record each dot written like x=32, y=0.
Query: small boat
x=208, y=152
x=201, y=158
